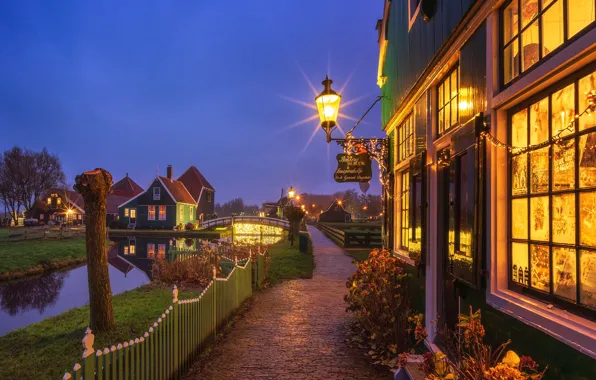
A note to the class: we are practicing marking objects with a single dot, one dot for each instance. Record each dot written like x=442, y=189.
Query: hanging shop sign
x=353, y=168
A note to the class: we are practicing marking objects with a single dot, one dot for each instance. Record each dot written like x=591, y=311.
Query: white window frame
x=156, y=193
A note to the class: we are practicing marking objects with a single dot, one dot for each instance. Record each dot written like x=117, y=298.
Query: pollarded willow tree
x=95, y=186
x=294, y=215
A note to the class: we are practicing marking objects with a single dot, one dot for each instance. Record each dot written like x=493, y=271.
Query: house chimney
x=169, y=172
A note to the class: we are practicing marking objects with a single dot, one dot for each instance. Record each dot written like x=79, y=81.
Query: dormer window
x=156, y=193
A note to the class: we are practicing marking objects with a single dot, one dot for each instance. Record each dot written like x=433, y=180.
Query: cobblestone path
x=296, y=330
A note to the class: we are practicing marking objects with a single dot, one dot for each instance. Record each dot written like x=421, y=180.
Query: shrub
x=179, y=227
x=378, y=296
x=188, y=269
x=189, y=226
x=471, y=359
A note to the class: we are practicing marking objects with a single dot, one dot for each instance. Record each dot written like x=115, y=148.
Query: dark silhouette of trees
x=37, y=293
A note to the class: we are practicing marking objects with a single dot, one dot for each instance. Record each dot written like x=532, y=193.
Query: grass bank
x=45, y=350
x=31, y=257
x=288, y=263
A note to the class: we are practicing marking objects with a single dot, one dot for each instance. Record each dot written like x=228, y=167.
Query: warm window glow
x=405, y=210
x=553, y=215
x=58, y=200
x=49, y=200
x=181, y=209
x=162, y=212
x=132, y=249
x=151, y=210
x=126, y=212
x=150, y=251
x=161, y=251
x=405, y=139
x=522, y=20
x=447, y=95
x=126, y=249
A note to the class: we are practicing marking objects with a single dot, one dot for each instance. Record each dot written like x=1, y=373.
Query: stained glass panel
x=586, y=84
x=539, y=121
x=519, y=263
x=563, y=167
x=563, y=115
x=587, y=278
x=540, y=267
x=519, y=174
x=587, y=160
x=539, y=218
x=519, y=128
x=519, y=216
x=587, y=218
x=564, y=218
x=564, y=273
x=539, y=171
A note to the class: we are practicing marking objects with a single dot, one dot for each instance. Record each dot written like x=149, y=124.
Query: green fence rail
x=168, y=348
x=367, y=238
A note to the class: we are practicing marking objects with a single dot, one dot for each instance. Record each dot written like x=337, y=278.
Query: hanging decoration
x=556, y=139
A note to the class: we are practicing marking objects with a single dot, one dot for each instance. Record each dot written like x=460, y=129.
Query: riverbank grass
x=23, y=255
x=289, y=263
x=46, y=350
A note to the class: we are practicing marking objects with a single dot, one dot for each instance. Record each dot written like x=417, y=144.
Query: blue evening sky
x=132, y=86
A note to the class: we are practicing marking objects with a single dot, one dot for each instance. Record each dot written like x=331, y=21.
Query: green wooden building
x=165, y=204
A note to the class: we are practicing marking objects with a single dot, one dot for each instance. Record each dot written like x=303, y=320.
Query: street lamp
x=328, y=107
x=291, y=193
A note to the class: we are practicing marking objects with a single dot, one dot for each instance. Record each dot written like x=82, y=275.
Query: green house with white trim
x=165, y=204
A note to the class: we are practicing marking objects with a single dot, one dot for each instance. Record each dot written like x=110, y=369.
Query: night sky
x=132, y=86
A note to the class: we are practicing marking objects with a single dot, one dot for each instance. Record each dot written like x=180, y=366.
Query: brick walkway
x=295, y=330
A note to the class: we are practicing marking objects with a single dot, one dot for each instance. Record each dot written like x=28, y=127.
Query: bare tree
x=95, y=186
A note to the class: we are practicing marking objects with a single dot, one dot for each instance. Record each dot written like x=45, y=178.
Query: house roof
x=195, y=182
x=114, y=201
x=126, y=187
x=72, y=197
x=177, y=190
x=333, y=207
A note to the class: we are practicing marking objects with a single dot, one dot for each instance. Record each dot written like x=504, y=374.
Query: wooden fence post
x=214, y=303
x=175, y=316
x=88, y=354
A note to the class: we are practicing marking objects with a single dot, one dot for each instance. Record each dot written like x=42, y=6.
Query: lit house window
x=49, y=200
x=447, y=95
x=132, y=248
x=161, y=251
x=126, y=249
x=405, y=209
x=151, y=210
x=126, y=212
x=536, y=28
x=181, y=209
x=59, y=200
x=162, y=212
x=41, y=216
x=405, y=139
x=553, y=195
x=156, y=193
x=150, y=251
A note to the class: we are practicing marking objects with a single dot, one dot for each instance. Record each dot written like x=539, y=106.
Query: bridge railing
x=230, y=220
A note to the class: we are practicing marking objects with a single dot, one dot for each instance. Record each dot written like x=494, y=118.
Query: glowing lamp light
x=69, y=211
x=340, y=202
x=302, y=207
x=291, y=193
x=297, y=197
x=464, y=106
x=328, y=107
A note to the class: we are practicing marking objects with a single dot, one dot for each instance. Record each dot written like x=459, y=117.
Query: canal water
x=32, y=300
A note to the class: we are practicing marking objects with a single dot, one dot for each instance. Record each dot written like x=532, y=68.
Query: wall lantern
x=328, y=107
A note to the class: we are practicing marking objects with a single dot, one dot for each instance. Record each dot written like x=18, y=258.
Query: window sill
x=404, y=256
x=575, y=331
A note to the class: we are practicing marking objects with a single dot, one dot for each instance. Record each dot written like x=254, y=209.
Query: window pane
x=563, y=113
x=564, y=218
x=519, y=218
x=447, y=116
x=454, y=84
x=540, y=267
x=530, y=46
x=586, y=84
x=563, y=167
x=552, y=28
x=587, y=218
x=529, y=9
x=580, y=13
x=510, y=21
x=587, y=160
x=587, y=277
x=453, y=112
x=440, y=96
x=539, y=171
x=519, y=261
x=447, y=95
x=519, y=175
x=564, y=273
x=539, y=218
x=441, y=121
x=519, y=129
x=510, y=61
x=539, y=121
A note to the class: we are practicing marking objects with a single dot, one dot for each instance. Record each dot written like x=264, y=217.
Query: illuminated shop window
x=535, y=28
x=405, y=210
x=405, y=139
x=447, y=96
x=553, y=195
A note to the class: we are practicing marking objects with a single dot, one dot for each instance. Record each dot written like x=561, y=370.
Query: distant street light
x=291, y=193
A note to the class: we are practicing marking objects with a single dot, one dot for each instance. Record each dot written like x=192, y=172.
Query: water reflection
x=36, y=294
